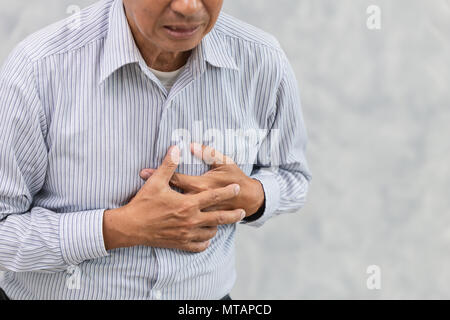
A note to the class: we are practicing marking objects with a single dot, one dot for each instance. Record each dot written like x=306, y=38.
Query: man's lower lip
x=181, y=33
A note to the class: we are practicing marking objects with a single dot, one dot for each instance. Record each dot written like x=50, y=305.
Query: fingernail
x=242, y=214
x=145, y=174
x=237, y=188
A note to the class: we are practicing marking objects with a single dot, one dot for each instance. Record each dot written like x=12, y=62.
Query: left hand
x=224, y=172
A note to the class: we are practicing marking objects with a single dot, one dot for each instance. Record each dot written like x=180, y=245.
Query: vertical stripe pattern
x=81, y=114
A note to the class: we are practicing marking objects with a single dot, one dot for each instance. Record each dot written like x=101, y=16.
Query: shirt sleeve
x=33, y=238
x=281, y=165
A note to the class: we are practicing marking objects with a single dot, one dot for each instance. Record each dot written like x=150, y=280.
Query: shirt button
x=158, y=294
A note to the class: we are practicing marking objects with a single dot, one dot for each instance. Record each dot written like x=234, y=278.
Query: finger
x=197, y=246
x=210, y=155
x=218, y=207
x=170, y=163
x=189, y=246
x=204, y=234
x=146, y=173
x=217, y=218
x=186, y=182
x=213, y=197
x=190, y=184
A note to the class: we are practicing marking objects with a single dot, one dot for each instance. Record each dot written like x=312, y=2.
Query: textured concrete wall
x=377, y=111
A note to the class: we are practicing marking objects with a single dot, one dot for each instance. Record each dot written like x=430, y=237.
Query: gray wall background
x=376, y=106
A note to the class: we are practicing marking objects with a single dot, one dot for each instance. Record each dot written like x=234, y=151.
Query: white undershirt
x=167, y=78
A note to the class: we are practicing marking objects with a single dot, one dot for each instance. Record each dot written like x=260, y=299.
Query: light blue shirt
x=81, y=115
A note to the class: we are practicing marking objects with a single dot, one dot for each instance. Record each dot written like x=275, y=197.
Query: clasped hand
x=159, y=216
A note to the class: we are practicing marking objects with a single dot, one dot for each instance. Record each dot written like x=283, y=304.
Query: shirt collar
x=120, y=48
x=216, y=52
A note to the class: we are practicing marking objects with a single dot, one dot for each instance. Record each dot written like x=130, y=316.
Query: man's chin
x=182, y=46
x=171, y=44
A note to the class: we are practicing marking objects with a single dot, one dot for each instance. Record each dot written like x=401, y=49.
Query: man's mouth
x=181, y=31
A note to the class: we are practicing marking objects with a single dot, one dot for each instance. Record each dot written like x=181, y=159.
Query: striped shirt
x=81, y=115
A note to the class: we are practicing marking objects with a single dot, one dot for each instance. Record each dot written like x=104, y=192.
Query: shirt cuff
x=272, y=197
x=81, y=236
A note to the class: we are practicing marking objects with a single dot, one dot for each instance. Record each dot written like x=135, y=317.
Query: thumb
x=170, y=163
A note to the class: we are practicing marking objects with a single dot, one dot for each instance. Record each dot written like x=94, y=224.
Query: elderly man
x=101, y=197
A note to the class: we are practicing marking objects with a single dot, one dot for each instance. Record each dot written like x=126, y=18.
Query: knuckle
x=202, y=186
x=188, y=205
x=189, y=223
x=184, y=242
x=205, y=236
x=200, y=247
x=190, y=247
x=184, y=234
x=179, y=215
x=185, y=248
x=214, y=196
x=184, y=215
x=170, y=163
x=194, y=222
x=220, y=219
x=209, y=235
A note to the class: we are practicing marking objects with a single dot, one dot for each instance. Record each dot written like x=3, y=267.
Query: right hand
x=160, y=217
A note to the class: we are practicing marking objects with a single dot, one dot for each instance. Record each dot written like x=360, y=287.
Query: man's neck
x=163, y=61
x=156, y=58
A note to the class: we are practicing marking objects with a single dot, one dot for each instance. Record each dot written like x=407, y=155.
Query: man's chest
x=100, y=138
